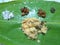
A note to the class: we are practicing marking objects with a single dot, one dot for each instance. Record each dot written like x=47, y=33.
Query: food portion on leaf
x=24, y=11
x=41, y=13
x=32, y=27
x=7, y=14
x=52, y=10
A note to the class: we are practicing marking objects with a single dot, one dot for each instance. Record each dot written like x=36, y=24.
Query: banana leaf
x=10, y=32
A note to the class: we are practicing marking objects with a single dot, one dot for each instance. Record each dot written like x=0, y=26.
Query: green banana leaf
x=10, y=32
